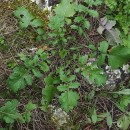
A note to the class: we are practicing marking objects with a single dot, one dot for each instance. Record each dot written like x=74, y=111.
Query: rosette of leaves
x=32, y=66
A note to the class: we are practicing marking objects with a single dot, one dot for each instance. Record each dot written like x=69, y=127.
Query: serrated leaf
x=36, y=72
x=27, y=114
x=65, y=8
x=9, y=112
x=103, y=47
x=28, y=79
x=48, y=93
x=74, y=27
x=44, y=67
x=68, y=100
x=56, y=22
x=74, y=85
x=101, y=59
x=81, y=8
x=83, y=59
x=71, y=78
x=62, y=87
x=16, y=81
x=86, y=24
x=93, y=13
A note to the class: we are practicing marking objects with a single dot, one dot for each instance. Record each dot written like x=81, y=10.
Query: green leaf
x=62, y=87
x=95, y=75
x=48, y=93
x=123, y=122
x=101, y=59
x=94, y=116
x=56, y=22
x=118, y=56
x=16, y=81
x=37, y=23
x=86, y=24
x=25, y=17
x=74, y=27
x=27, y=115
x=109, y=120
x=78, y=19
x=103, y=47
x=40, y=31
x=71, y=78
x=36, y=72
x=63, y=53
x=124, y=92
x=83, y=59
x=44, y=67
x=65, y=8
x=81, y=8
x=28, y=79
x=93, y=13
x=9, y=112
x=74, y=85
x=68, y=100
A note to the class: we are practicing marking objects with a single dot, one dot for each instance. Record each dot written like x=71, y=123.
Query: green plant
x=32, y=67
x=68, y=98
x=91, y=71
x=1, y=40
x=122, y=14
x=80, y=22
x=9, y=112
x=27, y=19
x=27, y=113
x=117, y=55
x=124, y=121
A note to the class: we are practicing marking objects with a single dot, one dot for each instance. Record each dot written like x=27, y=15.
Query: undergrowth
x=69, y=75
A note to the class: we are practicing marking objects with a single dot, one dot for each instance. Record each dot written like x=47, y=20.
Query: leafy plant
x=27, y=19
x=90, y=71
x=68, y=98
x=49, y=91
x=9, y=112
x=117, y=56
x=124, y=121
x=122, y=15
x=27, y=114
x=32, y=67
